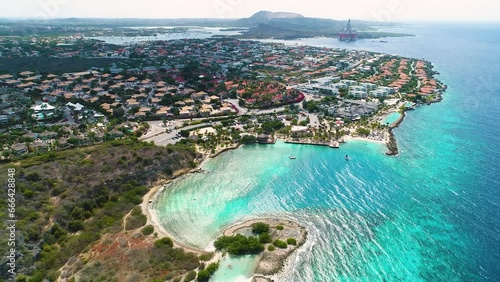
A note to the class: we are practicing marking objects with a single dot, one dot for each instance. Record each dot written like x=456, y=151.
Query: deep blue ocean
x=430, y=214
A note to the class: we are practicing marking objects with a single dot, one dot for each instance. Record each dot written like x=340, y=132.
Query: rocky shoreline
x=392, y=144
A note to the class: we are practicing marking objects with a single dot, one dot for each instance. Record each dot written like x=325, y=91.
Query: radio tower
x=348, y=34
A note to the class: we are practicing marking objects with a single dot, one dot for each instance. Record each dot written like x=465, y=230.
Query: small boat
x=292, y=157
x=346, y=157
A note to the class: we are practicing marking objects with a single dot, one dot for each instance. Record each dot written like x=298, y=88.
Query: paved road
x=235, y=102
x=313, y=120
x=160, y=137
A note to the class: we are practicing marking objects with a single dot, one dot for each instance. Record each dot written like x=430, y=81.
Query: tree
x=260, y=227
x=248, y=139
x=239, y=245
x=363, y=131
x=75, y=226
x=118, y=112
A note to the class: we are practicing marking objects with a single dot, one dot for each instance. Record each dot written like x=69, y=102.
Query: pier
x=333, y=144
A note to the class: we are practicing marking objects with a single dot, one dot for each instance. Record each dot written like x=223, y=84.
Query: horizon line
x=222, y=19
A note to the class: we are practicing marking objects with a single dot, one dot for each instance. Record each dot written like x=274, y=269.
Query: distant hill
x=266, y=16
x=266, y=24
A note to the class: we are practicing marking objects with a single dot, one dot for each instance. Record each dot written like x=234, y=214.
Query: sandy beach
x=364, y=139
x=152, y=218
x=150, y=198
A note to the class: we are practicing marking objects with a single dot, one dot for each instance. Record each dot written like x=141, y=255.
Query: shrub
x=135, y=221
x=280, y=227
x=280, y=244
x=190, y=276
x=171, y=275
x=75, y=226
x=203, y=275
x=291, y=241
x=212, y=268
x=164, y=242
x=260, y=227
x=148, y=229
x=271, y=248
x=184, y=133
x=206, y=257
x=265, y=238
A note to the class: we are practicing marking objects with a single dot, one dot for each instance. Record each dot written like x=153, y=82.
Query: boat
x=292, y=157
x=334, y=145
x=346, y=157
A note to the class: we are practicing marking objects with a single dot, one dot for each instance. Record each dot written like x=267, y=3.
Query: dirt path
x=125, y=221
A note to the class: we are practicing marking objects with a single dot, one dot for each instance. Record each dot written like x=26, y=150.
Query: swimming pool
x=391, y=118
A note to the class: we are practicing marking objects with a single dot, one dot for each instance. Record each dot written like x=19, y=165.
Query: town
x=214, y=93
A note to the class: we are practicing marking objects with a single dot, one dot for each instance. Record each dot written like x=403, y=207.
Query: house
x=115, y=133
x=76, y=107
x=299, y=131
x=150, y=69
x=31, y=135
x=226, y=110
x=39, y=146
x=4, y=119
x=202, y=95
x=43, y=111
x=19, y=148
x=326, y=90
x=26, y=73
x=184, y=113
x=48, y=135
x=63, y=143
x=6, y=77
x=265, y=139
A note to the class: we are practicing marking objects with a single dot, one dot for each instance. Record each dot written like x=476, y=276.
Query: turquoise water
x=238, y=269
x=430, y=214
x=391, y=118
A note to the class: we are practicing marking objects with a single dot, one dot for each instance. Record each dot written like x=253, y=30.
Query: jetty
x=332, y=144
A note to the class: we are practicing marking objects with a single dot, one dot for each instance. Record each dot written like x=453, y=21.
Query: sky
x=375, y=10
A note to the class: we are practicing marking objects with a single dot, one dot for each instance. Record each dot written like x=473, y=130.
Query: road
x=157, y=132
x=235, y=102
x=313, y=120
